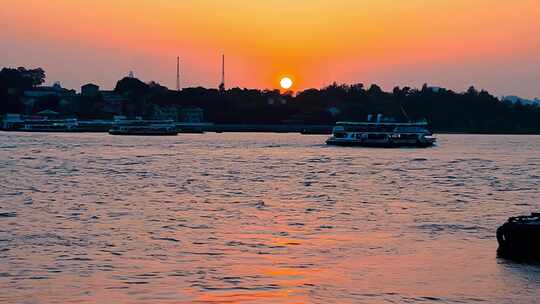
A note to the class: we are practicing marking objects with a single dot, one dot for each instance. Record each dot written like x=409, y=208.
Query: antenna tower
x=222, y=84
x=178, y=73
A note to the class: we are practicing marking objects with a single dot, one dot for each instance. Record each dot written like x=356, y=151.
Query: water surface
x=261, y=218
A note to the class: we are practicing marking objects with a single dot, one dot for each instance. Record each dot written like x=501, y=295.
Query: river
x=261, y=218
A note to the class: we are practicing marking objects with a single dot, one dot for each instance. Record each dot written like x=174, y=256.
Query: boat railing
x=395, y=124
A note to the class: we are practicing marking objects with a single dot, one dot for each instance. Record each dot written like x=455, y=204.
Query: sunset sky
x=492, y=44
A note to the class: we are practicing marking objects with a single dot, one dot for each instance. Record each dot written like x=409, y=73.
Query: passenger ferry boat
x=143, y=127
x=382, y=134
x=36, y=123
x=50, y=125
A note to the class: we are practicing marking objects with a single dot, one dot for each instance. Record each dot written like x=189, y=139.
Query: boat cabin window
x=409, y=136
x=377, y=136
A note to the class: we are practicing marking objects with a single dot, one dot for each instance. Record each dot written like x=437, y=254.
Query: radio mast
x=222, y=84
x=178, y=74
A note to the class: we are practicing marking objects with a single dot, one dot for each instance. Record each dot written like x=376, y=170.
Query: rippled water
x=261, y=218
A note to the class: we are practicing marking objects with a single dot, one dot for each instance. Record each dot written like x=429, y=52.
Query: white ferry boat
x=143, y=127
x=50, y=125
x=36, y=123
x=382, y=134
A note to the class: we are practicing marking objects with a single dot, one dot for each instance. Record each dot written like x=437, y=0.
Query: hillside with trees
x=445, y=110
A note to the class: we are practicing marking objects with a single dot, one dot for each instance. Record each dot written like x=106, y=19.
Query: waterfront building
x=30, y=97
x=166, y=113
x=48, y=113
x=192, y=114
x=54, y=90
x=12, y=121
x=113, y=102
x=90, y=90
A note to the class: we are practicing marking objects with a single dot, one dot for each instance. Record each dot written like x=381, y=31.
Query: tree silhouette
x=446, y=110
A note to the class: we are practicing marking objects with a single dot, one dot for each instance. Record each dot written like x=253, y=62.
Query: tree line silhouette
x=445, y=110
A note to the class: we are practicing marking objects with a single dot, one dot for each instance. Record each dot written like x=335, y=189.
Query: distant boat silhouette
x=143, y=127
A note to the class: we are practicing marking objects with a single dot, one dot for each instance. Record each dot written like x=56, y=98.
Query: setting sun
x=286, y=83
x=288, y=131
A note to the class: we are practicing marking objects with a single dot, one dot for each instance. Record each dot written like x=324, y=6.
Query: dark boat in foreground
x=519, y=238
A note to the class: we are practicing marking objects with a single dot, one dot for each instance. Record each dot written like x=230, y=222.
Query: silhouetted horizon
x=472, y=110
x=452, y=44
x=294, y=91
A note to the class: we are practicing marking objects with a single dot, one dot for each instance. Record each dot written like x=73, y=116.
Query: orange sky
x=491, y=44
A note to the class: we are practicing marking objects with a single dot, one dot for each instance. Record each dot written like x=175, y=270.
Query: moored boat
x=382, y=134
x=193, y=128
x=519, y=238
x=37, y=123
x=51, y=125
x=144, y=127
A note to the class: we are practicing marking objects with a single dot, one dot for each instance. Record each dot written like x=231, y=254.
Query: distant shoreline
x=275, y=128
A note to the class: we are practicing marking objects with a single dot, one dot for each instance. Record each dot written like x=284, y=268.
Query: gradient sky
x=492, y=44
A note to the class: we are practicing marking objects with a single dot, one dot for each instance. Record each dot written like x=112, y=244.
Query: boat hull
x=519, y=239
x=191, y=131
x=381, y=144
x=44, y=130
x=143, y=133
